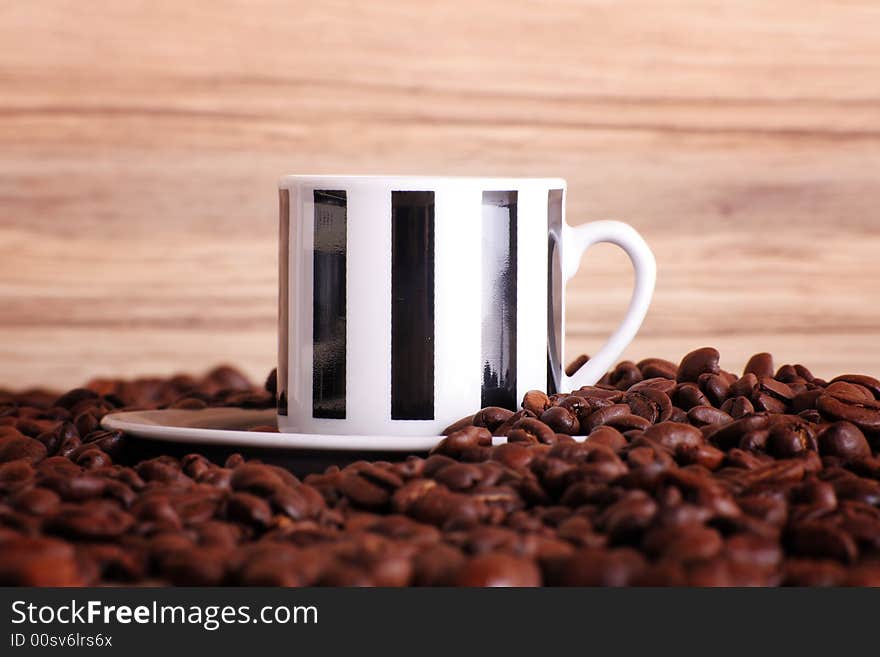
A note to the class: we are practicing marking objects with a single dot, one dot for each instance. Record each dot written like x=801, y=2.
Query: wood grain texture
x=140, y=144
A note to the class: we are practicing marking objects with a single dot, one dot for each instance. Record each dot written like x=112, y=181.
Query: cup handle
x=575, y=242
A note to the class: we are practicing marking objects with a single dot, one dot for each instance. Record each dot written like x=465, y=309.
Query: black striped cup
x=407, y=302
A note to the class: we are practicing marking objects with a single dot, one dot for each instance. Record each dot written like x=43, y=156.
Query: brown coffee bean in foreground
x=499, y=569
x=698, y=362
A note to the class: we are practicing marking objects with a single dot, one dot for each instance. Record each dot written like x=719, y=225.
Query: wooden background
x=140, y=143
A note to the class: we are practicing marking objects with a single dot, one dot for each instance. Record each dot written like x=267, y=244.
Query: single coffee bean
x=822, y=540
x=868, y=382
x=605, y=415
x=657, y=368
x=14, y=446
x=536, y=402
x=458, y=425
x=561, y=420
x=698, y=362
x=845, y=440
x=845, y=390
x=664, y=385
x=865, y=415
x=530, y=430
x=738, y=407
x=576, y=364
x=249, y=510
x=760, y=365
x=703, y=415
x=673, y=434
x=599, y=567
x=491, y=417
x=92, y=520
x=628, y=422
x=682, y=543
x=790, y=437
x=715, y=387
x=775, y=388
x=649, y=403
x=688, y=395
x=609, y=437
x=438, y=565
x=499, y=569
x=625, y=375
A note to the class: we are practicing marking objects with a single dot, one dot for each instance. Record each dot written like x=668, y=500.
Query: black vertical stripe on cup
x=498, y=343
x=412, y=305
x=554, y=289
x=283, y=298
x=328, y=309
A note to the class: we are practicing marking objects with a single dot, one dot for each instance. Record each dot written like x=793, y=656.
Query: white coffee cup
x=408, y=302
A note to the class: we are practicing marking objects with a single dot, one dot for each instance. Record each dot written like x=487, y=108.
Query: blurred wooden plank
x=139, y=147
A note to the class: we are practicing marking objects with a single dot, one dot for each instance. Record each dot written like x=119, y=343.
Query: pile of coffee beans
x=691, y=476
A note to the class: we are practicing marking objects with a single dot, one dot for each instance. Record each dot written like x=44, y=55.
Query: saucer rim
x=163, y=425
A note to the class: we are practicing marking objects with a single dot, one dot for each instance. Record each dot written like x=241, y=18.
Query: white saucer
x=229, y=427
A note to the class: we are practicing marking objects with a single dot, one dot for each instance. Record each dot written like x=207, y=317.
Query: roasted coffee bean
x=498, y=569
x=576, y=364
x=459, y=476
x=627, y=423
x=845, y=440
x=14, y=446
x=657, y=368
x=744, y=386
x=707, y=415
x=775, y=388
x=627, y=518
x=605, y=415
x=682, y=543
x=625, y=375
x=609, y=437
x=738, y=407
x=671, y=435
x=760, y=365
x=765, y=402
x=822, y=540
x=790, y=436
x=698, y=362
x=598, y=567
x=688, y=395
x=249, y=509
x=458, y=425
x=15, y=475
x=74, y=397
x=561, y=420
x=660, y=384
x=707, y=456
x=37, y=500
x=438, y=565
x=492, y=417
x=868, y=382
x=536, y=402
x=729, y=435
x=505, y=427
x=94, y=520
x=530, y=430
x=844, y=390
x=864, y=414
x=715, y=387
x=650, y=403
x=39, y=561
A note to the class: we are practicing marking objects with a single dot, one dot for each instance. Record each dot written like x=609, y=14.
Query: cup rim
x=292, y=180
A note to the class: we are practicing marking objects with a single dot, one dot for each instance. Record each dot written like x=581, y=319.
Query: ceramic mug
x=408, y=302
